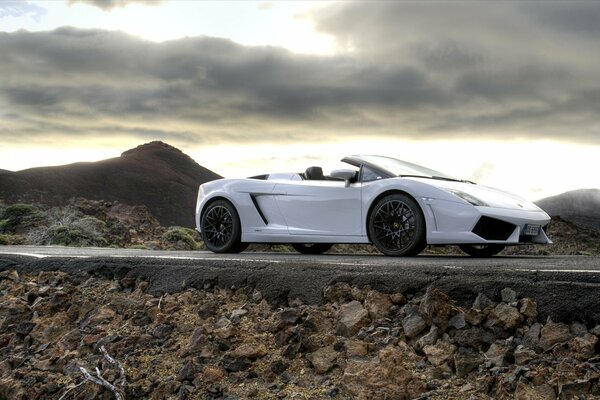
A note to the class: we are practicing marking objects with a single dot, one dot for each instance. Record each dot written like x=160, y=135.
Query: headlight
x=468, y=198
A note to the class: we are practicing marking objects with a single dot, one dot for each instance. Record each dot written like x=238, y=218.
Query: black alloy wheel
x=311, y=248
x=221, y=228
x=482, y=250
x=397, y=226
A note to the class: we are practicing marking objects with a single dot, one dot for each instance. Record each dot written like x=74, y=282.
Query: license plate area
x=531, y=230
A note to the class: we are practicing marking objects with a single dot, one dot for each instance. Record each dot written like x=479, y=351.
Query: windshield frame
x=371, y=162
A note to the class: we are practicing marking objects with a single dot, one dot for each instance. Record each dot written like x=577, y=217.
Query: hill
x=155, y=175
x=581, y=207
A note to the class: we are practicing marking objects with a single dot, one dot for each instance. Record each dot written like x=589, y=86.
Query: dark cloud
x=108, y=5
x=414, y=70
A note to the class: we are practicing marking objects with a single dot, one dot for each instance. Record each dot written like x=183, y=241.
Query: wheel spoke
x=218, y=226
x=394, y=225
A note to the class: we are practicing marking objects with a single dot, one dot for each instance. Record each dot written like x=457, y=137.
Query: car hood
x=491, y=196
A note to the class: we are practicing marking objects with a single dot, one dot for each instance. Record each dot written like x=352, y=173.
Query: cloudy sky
x=504, y=93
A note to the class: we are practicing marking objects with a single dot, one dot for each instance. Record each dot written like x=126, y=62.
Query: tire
x=482, y=250
x=397, y=226
x=221, y=228
x=311, y=248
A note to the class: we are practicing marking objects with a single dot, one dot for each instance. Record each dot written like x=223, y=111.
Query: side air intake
x=493, y=229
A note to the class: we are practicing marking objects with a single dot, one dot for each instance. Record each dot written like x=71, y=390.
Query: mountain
x=581, y=207
x=155, y=175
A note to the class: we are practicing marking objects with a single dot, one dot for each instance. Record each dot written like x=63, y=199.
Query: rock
x=127, y=282
x=524, y=355
x=505, y=317
x=553, y=333
x=288, y=317
x=236, y=315
x=508, y=295
x=595, y=330
x=524, y=391
x=584, y=346
x=23, y=328
x=278, y=367
x=439, y=353
x=398, y=299
x=436, y=307
x=352, y=317
x=384, y=377
x=11, y=275
x=528, y=308
x=578, y=329
x=323, y=359
x=251, y=350
x=340, y=292
x=457, y=321
x=466, y=361
x=413, y=325
x=496, y=355
x=476, y=338
x=161, y=331
x=573, y=390
x=236, y=364
x=60, y=301
x=207, y=310
x=199, y=344
x=474, y=317
x=356, y=348
x=483, y=303
x=186, y=372
x=377, y=304
x=531, y=338
x=428, y=339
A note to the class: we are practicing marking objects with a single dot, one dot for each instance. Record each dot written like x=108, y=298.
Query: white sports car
x=397, y=206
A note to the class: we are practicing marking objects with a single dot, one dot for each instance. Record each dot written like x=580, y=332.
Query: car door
x=325, y=208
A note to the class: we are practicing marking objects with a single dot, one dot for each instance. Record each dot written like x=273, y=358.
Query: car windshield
x=403, y=168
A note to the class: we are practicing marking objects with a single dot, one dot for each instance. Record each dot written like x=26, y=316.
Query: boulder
x=439, y=353
x=352, y=317
x=413, y=325
x=377, y=304
x=504, y=316
x=553, y=333
x=323, y=359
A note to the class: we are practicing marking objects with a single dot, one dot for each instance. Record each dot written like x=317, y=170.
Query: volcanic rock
x=352, y=317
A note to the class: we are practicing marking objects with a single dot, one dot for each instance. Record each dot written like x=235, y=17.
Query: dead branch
x=99, y=380
x=70, y=390
x=117, y=365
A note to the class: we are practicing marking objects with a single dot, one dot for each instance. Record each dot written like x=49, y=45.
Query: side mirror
x=346, y=174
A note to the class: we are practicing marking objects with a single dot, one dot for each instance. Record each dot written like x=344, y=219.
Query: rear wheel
x=311, y=248
x=221, y=228
x=397, y=226
x=482, y=250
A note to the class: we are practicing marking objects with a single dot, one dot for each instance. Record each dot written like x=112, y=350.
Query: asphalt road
x=566, y=288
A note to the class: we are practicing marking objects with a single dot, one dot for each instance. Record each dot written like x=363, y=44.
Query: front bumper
x=454, y=223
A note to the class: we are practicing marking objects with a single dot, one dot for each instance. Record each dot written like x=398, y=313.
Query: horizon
x=494, y=93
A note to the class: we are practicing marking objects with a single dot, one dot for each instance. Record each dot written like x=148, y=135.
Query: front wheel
x=221, y=228
x=397, y=226
x=482, y=250
x=311, y=248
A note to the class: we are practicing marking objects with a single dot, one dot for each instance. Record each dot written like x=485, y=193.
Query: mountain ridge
x=581, y=207
x=154, y=174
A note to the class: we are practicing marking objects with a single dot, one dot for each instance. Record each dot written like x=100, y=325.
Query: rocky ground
x=84, y=222
x=84, y=337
